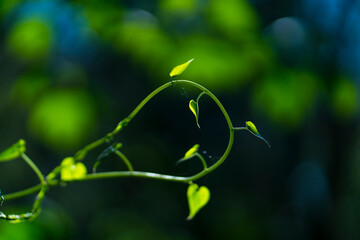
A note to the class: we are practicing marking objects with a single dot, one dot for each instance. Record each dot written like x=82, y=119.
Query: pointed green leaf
x=71, y=170
x=180, y=68
x=190, y=153
x=252, y=128
x=14, y=151
x=197, y=199
x=194, y=107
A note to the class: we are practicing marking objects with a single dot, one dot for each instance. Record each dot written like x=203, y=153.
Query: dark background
x=71, y=70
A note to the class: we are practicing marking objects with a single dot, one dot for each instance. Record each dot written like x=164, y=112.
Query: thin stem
x=34, y=168
x=22, y=193
x=148, y=98
x=133, y=174
x=198, y=98
x=96, y=164
x=240, y=128
x=125, y=159
x=202, y=160
x=28, y=191
x=81, y=154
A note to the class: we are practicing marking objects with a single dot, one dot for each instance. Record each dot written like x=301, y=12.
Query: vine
x=72, y=169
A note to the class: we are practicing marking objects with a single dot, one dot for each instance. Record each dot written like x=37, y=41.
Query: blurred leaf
x=252, y=128
x=345, y=99
x=194, y=107
x=192, y=151
x=234, y=18
x=286, y=96
x=177, y=7
x=180, y=68
x=30, y=39
x=137, y=35
x=14, y=151
x=7, y=6
x=26, y=230
x=197, y=199
x=71, y=170
x=63, y=119
x=220, y=65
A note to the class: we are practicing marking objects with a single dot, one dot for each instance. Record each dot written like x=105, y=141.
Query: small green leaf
x=71, y=170
x=180, y=68
x=252, y=128
x=194, y=107
x=14, y=151
x=191, y=152
x=197, y=199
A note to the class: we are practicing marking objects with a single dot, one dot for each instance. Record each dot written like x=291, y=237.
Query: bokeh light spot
x=30, y=40
x=63, y=119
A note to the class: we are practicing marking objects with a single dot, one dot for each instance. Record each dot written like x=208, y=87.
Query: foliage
x=72, y=169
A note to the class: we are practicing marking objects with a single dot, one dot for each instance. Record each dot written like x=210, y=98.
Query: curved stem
x=125, y=159
x=198, y=98
x=134, y=174
x=34, y=168
x=148, y=98
x=115, y=174
x=202, y=160
x=22, y=193
x=28, y=191
x=230, y=125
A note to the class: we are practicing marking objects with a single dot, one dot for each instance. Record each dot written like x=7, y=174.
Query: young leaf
x=71, y=170
x=252, y=128
x=194, y=107
x=197, y=199
x=180, y=68
x=190, y=153
x=14, y=151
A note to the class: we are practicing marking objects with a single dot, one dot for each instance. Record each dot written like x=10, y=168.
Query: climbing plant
x=72, y=168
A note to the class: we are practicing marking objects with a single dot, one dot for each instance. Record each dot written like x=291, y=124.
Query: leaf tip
x=194, y=107
x=180, y=68
x=190, y=153
x=252, y=128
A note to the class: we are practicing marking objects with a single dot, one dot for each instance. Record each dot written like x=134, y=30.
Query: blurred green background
x=70, y=70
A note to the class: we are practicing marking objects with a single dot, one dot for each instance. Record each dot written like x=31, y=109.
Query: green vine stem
x=50, y=180
x=202, y=160
x=34, y=168
x=125, y=159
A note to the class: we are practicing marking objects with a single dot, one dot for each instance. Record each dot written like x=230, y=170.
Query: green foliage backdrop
x=70, y=70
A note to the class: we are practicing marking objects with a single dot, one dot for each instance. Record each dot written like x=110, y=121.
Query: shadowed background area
x=71, y=70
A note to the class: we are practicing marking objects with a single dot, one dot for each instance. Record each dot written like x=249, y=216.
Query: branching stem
x=81, y=154
x=34, y=168
x=125, y=159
